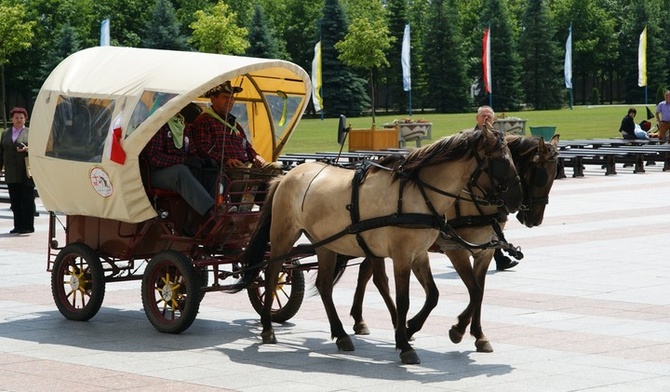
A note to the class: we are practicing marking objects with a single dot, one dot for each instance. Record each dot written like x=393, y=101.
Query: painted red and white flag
x=486, y=60
x=115, y=150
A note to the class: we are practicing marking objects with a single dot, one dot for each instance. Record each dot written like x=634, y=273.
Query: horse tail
x=254, y=254
x=340, y=267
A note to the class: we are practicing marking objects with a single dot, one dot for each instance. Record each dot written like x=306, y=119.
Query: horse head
x=501, y=185
x=537, y=164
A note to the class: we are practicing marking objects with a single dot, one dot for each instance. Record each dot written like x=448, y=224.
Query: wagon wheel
x=171, y=292
x=78, y=282
x=288, y=294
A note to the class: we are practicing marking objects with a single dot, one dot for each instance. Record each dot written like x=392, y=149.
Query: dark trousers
x=22, y=199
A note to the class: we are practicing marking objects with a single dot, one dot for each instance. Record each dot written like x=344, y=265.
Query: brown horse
x=536, y=163
x=394, y=211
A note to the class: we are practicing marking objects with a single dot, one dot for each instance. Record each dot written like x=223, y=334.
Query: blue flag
x=104, y=33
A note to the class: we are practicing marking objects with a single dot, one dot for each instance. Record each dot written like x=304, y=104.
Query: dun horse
x=396, y=213
x=536, y=164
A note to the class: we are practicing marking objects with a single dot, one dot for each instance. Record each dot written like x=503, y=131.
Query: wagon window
x=283, y=110
x=80, y=128
x=146, y=106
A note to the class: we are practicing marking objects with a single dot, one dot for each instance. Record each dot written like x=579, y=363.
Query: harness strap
x=359, y=176
x=412, y=220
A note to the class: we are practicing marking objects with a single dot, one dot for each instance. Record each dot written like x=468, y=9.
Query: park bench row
x=606, y=153
x=575, y=154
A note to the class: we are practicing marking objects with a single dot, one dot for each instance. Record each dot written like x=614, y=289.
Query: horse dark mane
x=523, y=149
x=452, y=148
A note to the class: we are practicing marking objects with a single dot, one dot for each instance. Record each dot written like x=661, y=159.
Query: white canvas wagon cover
x=97, y=90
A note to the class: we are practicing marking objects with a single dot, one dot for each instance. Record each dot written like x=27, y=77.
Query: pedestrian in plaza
x=486, y=115
x=663, y=117
x=14, y=161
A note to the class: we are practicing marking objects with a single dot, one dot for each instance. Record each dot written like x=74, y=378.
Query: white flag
x=568, y=60
x=104, y=33
x=404, y=60
x=316, y=78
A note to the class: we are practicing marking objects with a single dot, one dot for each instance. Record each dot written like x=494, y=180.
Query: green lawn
x=582, y=122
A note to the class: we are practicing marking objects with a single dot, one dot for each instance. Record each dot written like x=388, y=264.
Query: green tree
x=262, y=42
x=396, y=97
x=127, y=19
x=366, y=41
x=541, y=76
x=449, y=86
x=185, y=12
x=216, y=31
x=342, y=91
x=163, y=30
x=505, y=61
x=594, y=43
x=300, y=30
x=418, y=16
x=15, y=35
x=15, y=31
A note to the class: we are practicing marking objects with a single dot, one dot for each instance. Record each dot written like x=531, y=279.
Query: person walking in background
x=13, y=157
x=486, y=115
x=663, y=117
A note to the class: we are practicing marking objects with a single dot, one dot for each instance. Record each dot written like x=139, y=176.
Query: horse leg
x=425, y=277
x=481, y=265
x=460, y=259
x=327, y=261
x=375, y=268
x=401, y=272
x=364, y=275
x=271, y=279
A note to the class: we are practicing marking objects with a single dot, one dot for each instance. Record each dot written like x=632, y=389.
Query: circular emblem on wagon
x=101, y=182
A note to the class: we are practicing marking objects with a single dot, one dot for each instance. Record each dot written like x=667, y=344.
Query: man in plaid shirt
x=166, y=153
x=220, y=140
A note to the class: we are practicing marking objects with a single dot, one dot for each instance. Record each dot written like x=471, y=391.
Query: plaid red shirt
x=209, y=135
x=161, y=152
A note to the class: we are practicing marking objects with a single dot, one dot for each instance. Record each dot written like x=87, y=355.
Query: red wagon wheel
x=78, y=282
x=287, y=297
x=171, y=292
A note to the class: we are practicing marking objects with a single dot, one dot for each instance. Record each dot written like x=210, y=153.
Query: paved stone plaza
x=588, y=309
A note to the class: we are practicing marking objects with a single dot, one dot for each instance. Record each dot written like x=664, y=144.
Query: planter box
x=372, y=139
x=512, y=125
x=544, y=132
x=412, y=131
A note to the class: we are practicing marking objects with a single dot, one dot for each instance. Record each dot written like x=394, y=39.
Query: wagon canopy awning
x=96, y=90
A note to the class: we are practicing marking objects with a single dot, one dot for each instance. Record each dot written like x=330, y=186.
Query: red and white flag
x=486, y=59
x=115, y=151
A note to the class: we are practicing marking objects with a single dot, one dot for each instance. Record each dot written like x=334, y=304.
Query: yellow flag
x=316, y=78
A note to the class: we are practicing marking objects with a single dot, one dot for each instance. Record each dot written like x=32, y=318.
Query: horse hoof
x=269, y=337
x=361, y=329
x=483, y=346
x=344, y=343
x=409, y=357
x=455, y=335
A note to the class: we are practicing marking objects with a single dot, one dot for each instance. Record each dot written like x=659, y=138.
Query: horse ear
x=554, y=140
